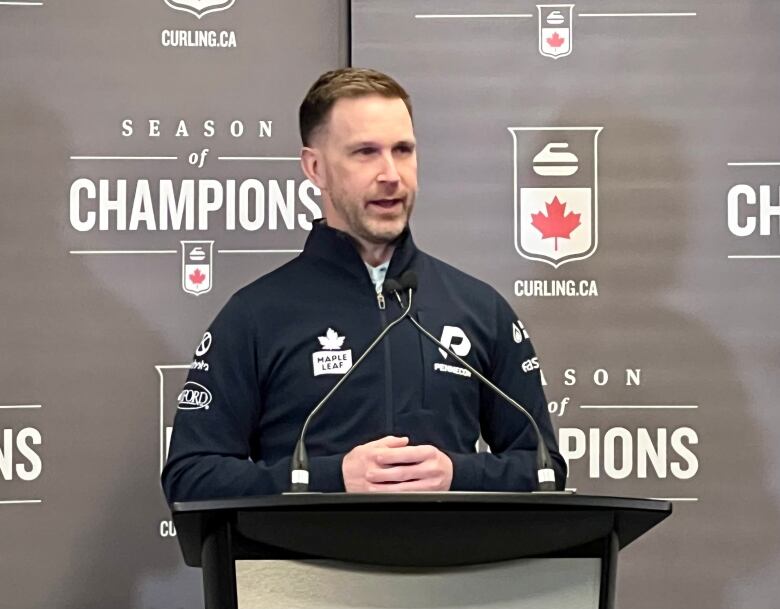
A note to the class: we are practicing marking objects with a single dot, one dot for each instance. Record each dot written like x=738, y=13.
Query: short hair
x=343, y=83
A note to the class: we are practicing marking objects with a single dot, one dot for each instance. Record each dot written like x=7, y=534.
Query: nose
x=388, y=172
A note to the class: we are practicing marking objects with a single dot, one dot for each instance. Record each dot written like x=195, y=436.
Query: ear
x=312, y=165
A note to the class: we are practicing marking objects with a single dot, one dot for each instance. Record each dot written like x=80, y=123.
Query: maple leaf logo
x=555, y=41
x=556, y=224
x=197, y=277
x=331, y=340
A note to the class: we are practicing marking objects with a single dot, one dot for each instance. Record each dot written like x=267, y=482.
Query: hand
x=391, y=465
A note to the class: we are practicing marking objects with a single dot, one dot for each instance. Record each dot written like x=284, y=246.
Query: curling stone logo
x=200, y=8
x=196, y=271
x=555, y=30
x=556, y=193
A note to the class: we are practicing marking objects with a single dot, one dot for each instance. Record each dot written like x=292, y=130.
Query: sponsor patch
x=454, y=338
x=439, y=367
x=332, y=359
x=519, y=332
x=204, y=346
x=194, y=396
x=530, y=364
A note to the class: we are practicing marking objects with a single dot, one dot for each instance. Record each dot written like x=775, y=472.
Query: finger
x=428, y=484
x=401, y=473
x=391, y=441
x=405, y=455
x=384, y=488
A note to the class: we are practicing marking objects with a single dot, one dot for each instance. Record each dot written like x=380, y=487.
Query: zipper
x=382, y=306
x=389, y=413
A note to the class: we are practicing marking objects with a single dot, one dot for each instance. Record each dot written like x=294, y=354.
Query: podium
x=409, y=531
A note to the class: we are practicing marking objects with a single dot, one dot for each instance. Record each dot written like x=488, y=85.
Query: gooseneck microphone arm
x=545, y=471
x=299, y=466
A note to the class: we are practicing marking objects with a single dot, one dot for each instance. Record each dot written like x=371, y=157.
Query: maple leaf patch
x=331, y=340
x=197, y=277
x=556, y=224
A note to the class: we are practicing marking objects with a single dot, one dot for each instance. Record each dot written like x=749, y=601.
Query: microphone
x=299, y=466
x=545, y=472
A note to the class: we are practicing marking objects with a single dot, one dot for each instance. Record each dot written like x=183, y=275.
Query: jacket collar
x=337, y=248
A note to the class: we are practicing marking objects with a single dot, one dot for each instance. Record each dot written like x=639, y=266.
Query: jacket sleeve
x=219, y=409
x=511, y=464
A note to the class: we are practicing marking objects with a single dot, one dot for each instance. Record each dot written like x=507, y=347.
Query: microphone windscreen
x=391, y=286
x=409, y=280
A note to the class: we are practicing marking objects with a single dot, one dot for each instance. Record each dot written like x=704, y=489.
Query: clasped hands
x=391, y=465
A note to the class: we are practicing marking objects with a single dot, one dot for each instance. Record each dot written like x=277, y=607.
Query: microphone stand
x=299, y=466
x=545, y=471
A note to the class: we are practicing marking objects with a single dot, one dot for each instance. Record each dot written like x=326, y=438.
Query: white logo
x=530, y=364
x=556, y=193
x=204, y=346
x=518, y=331
x=452, y=369
x=196, y=266
x=551, y=161
x=194, y=396
x=455, y=339
x=200, y=8
x=330, y=360
x=555, y=30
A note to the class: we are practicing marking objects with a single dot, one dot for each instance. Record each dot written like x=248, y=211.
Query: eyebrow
x=371, y=144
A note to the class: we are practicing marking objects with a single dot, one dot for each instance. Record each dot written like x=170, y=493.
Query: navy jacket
x=282, y=342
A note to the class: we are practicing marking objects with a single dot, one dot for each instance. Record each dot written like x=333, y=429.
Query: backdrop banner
x=149, y=170
x=612, y=169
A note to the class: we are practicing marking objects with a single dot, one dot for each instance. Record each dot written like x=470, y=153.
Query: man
x=409, y=418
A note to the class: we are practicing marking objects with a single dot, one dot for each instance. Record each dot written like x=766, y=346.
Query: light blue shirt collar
x=377, y=274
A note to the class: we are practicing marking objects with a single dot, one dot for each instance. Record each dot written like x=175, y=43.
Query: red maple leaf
x=555, y=40
x=197, y=277
x=555, y=224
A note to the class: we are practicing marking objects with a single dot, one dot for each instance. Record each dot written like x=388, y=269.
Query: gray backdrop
x=679, y=95
x=84, y=332
x=99, y=327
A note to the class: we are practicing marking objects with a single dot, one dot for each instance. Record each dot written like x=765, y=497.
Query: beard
x=371, y=222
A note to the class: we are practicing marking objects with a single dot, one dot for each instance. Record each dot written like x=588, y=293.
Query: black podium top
x=416, y=529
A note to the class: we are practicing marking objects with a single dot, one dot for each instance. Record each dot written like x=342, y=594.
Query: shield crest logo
x=556, y=192
x=200, y=8
x=196, y=267
x=555, y=29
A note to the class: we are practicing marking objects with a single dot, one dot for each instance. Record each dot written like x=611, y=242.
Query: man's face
x=368, y=167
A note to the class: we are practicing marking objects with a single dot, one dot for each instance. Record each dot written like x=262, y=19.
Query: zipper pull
x=380, y=299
